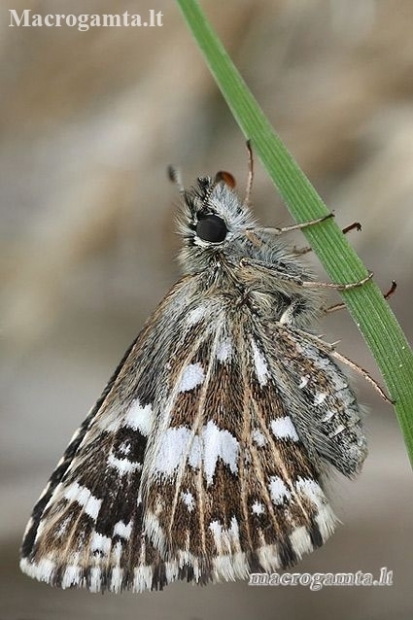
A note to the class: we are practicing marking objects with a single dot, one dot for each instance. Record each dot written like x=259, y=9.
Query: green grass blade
x=366, y=304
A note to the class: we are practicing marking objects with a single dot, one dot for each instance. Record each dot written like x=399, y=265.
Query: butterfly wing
x=321, y=401
x=194, y=464
x=229, y=485
x=86, y=528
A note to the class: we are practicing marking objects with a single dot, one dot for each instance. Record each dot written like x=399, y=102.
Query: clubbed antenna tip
x=175, y=176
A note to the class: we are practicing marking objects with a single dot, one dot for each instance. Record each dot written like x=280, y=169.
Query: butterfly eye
x=211, y=228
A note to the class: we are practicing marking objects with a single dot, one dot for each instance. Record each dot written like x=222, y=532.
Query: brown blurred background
x=89, y=121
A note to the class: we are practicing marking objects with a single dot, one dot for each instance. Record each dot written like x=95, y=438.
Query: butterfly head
x=213, y=220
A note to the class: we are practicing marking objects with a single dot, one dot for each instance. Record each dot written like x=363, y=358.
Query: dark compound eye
x=211, y=228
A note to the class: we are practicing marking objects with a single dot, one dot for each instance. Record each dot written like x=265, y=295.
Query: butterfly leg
x=283, y=273
x=341, y=306
x=307, y=249
x=332, y=352
x=250, y=233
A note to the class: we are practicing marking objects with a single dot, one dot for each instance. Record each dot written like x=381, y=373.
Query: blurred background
x=89, y=122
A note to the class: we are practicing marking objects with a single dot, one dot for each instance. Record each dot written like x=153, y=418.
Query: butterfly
x=206, y=456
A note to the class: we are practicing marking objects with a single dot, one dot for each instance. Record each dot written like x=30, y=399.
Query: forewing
x=87, y=527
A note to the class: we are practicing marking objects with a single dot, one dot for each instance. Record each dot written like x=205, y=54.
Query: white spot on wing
x=319, y=398
x=218, y=443
x=178, y=444
x=323, y=362
x=261, y=368
x=188, y=500
x=257, y=508
x=123, y=466
x=216, y=529
x=124, y=447
x=155, y=532
x=340, y=428
x=311, y=489
x=82, y=495
x=100, y=543
x=258, y=438
x=304, y=381
x=122, y=529
x=328, y=416
x=224, y=350
x=195, y=453
x=196, y=315
x=62, y=529
x=173, y=448
x=283, y=428
x=192, y=376
x=139, y=418
x=278, y=490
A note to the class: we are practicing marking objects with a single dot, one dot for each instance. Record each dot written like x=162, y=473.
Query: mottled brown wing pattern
x=86, y=528
x=229, y=486
x=207, y=479
x=322, y=404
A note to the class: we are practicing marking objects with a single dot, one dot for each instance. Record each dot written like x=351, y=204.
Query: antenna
x=174, y=175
